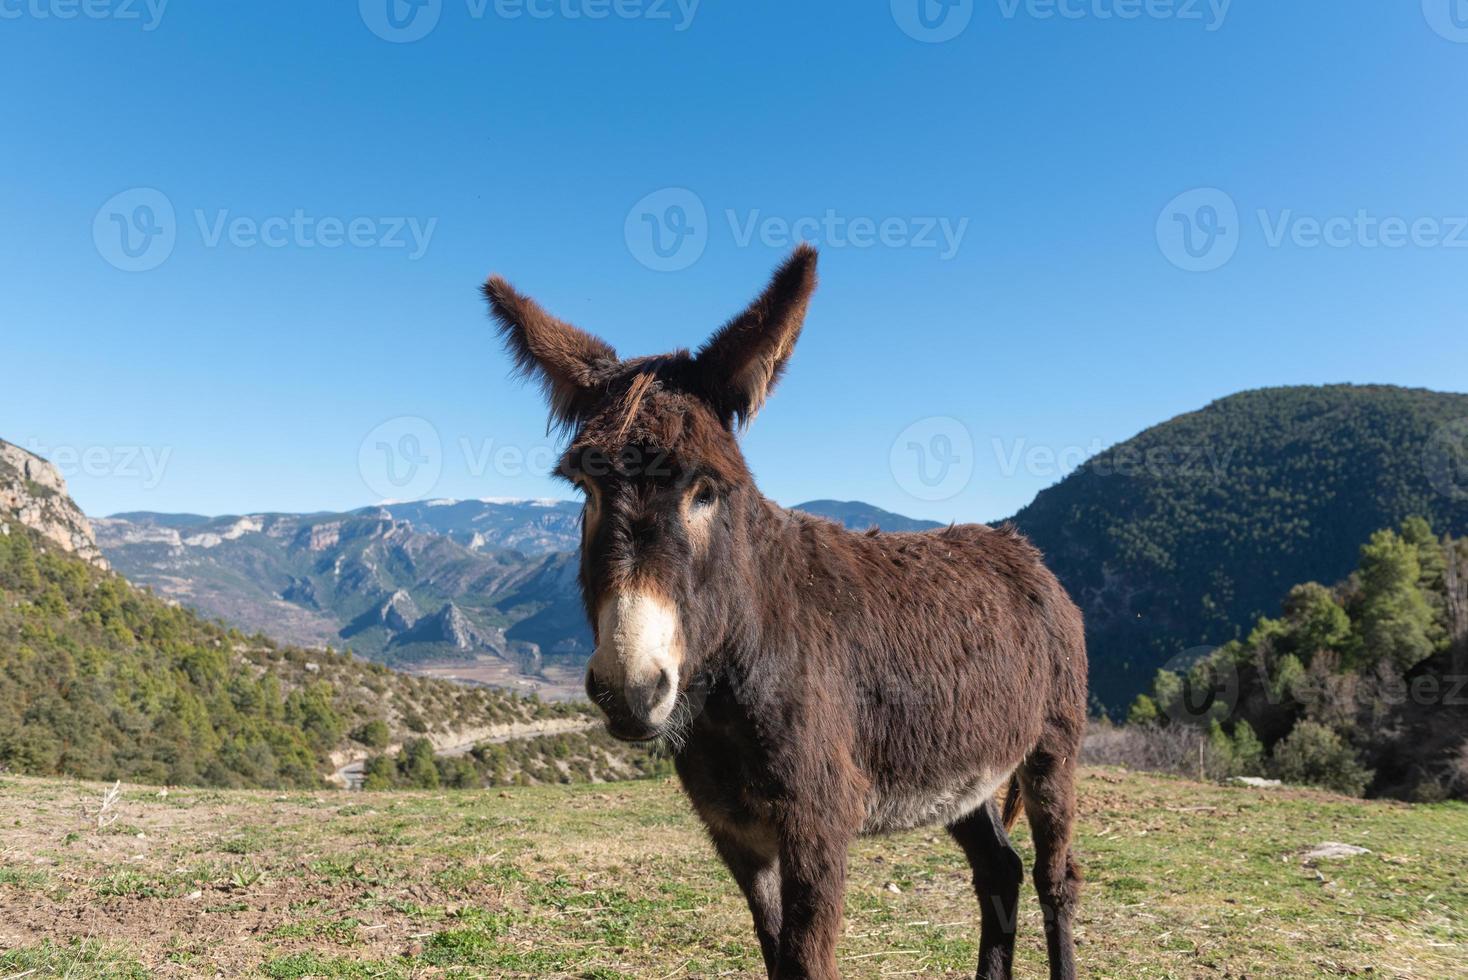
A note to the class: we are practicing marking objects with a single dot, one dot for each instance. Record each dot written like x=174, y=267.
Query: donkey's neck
x=791, y=558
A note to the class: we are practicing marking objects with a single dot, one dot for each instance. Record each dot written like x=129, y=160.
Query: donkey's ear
x=742, y=362
x=564, y=359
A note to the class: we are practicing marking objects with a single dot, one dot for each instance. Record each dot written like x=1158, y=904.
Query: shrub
x=374, y=734
x=1314, y=755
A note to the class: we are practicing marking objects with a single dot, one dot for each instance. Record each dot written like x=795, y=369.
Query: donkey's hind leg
x=1047, y=780
x=998, y=873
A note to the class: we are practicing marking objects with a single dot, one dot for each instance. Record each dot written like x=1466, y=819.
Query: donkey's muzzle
x=633, y=675
x=633, y=714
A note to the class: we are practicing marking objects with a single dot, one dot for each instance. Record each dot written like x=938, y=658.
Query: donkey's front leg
x=813, y=844
x=755, y=864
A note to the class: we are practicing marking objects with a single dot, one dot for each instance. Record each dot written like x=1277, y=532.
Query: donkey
x=814, y=683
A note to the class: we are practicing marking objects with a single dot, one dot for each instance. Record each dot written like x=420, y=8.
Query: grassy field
x=1184, y=880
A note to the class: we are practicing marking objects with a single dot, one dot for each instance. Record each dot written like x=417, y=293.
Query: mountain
x=1176, y=539
x=1182, y=536
x=32, y=493
x=99, y=680
x=531, y=527
x=857, y=516
x=403, y=583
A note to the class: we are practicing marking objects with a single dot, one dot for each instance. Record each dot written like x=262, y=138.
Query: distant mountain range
x=402, y=583
x=439, y=580
x=1173, y=540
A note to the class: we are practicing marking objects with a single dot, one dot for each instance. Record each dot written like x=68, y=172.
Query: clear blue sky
x=239, y=376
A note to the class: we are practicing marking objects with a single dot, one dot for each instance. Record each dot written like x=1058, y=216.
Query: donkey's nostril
x=665, y=684
x=597, y=691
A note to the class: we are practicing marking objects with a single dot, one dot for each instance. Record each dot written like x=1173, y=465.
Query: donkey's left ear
x=566, y=360
x=741, y=364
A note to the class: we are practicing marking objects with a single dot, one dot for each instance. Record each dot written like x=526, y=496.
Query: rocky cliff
x=33, y=493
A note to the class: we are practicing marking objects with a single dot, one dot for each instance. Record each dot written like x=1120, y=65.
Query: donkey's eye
x=704, y=496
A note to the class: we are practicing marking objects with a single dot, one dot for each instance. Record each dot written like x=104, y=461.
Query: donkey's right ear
x=565, y=360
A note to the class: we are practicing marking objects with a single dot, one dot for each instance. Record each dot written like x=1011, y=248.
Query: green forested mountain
x=99, y=680
x=1361, y=687
x=1184, y=535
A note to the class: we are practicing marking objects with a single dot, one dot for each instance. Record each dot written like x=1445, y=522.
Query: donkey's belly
x=907, y=808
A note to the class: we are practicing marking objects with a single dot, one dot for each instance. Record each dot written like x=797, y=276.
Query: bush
x=1314, y=755
x=374, y=734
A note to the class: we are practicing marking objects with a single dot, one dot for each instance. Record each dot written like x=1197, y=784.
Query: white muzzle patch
x=639, y=652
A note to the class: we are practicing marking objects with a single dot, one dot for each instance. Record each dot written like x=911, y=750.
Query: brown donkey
x=815, y=684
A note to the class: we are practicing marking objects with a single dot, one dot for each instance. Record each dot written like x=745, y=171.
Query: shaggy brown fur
x=832, y=683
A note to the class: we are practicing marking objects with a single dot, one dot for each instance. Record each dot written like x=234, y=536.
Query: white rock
x=1334, y=850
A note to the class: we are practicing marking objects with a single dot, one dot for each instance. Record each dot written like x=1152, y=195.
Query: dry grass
x=1185, y=880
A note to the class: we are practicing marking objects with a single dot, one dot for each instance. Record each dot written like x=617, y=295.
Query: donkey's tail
x=1012, y=804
